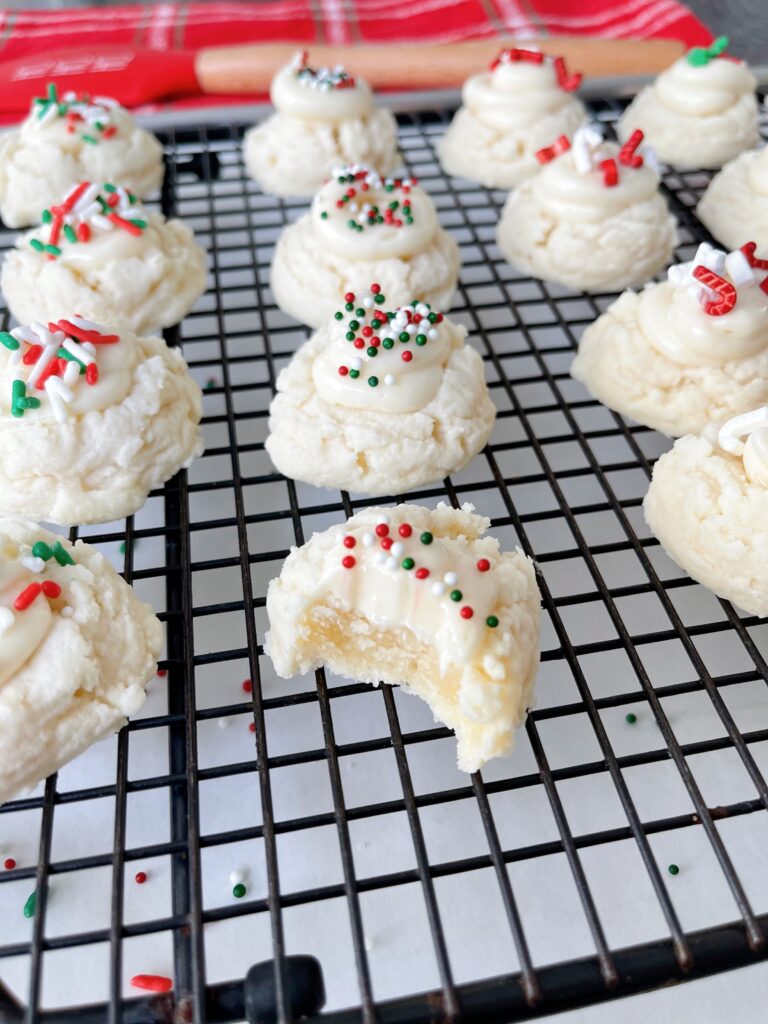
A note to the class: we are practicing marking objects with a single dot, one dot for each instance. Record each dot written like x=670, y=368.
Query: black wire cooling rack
x=548, y=880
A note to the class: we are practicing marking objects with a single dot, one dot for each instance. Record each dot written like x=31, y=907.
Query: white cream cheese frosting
x=735, y=204
x=521, y=103
x=67, y=139
x=319, y=94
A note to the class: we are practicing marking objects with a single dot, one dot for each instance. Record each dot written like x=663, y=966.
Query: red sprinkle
x=32, y=354
x=375, y=288
x=483, y=564
x=92, y=374
x=247, y=686
x=382, y=529
x=407, y=357
x=9, y=863
x=466, y=612
x=421, y=574
x=726, y=291
x=140, y=877
x=349, y=297
x=359, y=343
x=109, y=132
x=367, y=332
x=162, y=672
x=51, y=589
x=749, y=251
x=564, y=80
x=405, y=530
x=386, y=543
x=252, y=727
x=84, y=231
x=343, y=370
x=628, y=154
x=349, y=542
x=348, y=561
x=562, y=145
x=27, y=596
x=95, y=337
x=152, y=982
x=126, y=225
x=610, y=172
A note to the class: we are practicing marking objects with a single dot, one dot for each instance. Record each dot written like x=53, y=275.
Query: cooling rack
x=622, y=847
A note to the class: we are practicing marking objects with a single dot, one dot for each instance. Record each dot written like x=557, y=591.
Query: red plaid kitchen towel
x=172, y=26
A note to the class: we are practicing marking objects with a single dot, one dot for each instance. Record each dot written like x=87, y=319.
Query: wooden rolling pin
x=134, y=76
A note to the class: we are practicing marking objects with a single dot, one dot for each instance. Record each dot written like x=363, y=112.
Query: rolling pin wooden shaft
x=244, y=69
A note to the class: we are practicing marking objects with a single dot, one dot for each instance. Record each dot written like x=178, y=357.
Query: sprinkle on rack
x=92, y=117
x=86, y=208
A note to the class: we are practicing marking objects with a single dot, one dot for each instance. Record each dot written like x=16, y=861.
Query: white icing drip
x=295, y=98
x=377, y=241
x=754, y=452
x=704, y=90
x=24, y=630
x=569, y=194
x=379, y=589
x=515, y=94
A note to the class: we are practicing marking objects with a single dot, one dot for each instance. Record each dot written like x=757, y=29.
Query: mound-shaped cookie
x=68, y=139
x=77, y=649
x=421, y=599
x=364, y=228
x=90, y=421
x=325, y=119
x=735, y=205
x=100, y=255
x=379, y=402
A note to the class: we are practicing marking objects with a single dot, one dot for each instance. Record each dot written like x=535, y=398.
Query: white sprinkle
x=222, y=722
x=67, y=612
x=367, y=301
x=438, y=588
x=42, y=332
x=76, y=350
x=33, y=564
x=422, y=309
x=451, y=579
x=357, y=362
x=58, y=393
x=389, y=379
x=99, y=221
x=7, y=619
x=106, y=101
x=738, y=268
x=392, y=562
x=87, y=200
x=368, y=540
x=380, y=557
x=51, y=112
x=71, y=374
x=397, y=548
x=87, y=325
x=48, y=353
x=237, y=877
x=382, y=519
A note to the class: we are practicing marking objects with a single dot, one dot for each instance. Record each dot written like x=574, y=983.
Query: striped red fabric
x=172, y=26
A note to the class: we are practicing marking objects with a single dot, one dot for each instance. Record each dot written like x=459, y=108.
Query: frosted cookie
x=419, y=599
x=735, y=205
x=69, y=139
x=99, y=254
x=90, y=421
x=509, y=112
x=379, y=401
x=364, y=228
x=592, y=219
x=686, y=352
x=77, y=649
x=325, y=118
x=707, y=504
x=701, y=112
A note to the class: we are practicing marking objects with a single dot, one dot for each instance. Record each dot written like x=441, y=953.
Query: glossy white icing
x=72, y=121
x=306, y=93
x=372, y=241
x=378, y=587
x=703, y=90
x=21, y=632
x=515, y=94
x=754, y=451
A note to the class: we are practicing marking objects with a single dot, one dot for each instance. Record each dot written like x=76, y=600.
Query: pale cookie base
x=625, y=372
x=377, y=453
x=86, y=677
x=483, y=702
x=291, y=157
x=711, y=520
x=732, y=210
x=619, y=252
x=497, y=157
x=33, y=177
x=139, y=295
x=309, y=283
x=101, y=466
x=687, y=142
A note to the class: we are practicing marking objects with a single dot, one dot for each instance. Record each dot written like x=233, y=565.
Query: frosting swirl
x=359, y=215
x=387, y=362
x=75, y=119
x=515, y=94
x=704, y=90
x=754, y=452
x=322, y=94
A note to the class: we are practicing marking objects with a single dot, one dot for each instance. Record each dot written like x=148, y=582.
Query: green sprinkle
x=41, y=550
x=31, y=905
x=239, y=891
x=47, y=217
x=323, y=215
x=353, y=325
x=338, y=315
x=61, y=554
x=673, y=869
x=360, y=312
x=90, y=139
x=352, y=224
x=373, y=381
x=630, y=718
x=456, y=595
x=354, y=374
x=372, y=352
x=18, y=391
x=404, y=337
x=426, y=537
x=349, y=307
x=98, y=126
x=379, y=298
x=8, y=340
x=350, y=335
x=139, y=223
x=432, y=317
x=110, y=188
x=492, y=621
x=388, y=343
x=407, y=563
x=52, y=92
x=121, y=549
x=36, y=244
x=54, y=250
x=421, y=339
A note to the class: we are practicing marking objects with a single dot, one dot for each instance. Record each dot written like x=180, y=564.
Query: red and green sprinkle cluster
x=36, y=563
x=91, y=117
x=323, y=79
x=396, y=212
x=370, y=329
x=85, y=207
x=391, y=553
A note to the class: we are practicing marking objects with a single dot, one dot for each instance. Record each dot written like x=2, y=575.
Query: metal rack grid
x=623, y=629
